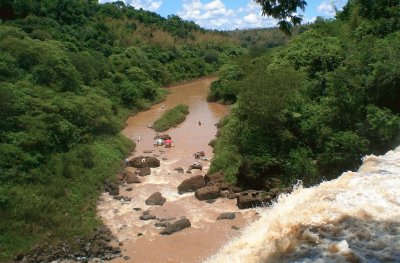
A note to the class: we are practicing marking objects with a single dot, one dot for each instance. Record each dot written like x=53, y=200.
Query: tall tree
x=285, y=11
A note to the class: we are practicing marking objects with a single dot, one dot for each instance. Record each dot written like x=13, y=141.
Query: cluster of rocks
x=211, y=187
x=143, y=165
x=95, y=246
x=169, y=227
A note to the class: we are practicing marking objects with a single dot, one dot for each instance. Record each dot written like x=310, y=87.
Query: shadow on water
x=349, y=239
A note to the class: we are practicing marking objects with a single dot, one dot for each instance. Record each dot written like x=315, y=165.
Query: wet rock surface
x=111, y=187
x=206, y=193
x=95, y=246
x=191, y=184
x=155, y=199
x=250, y=199
x=144, y=161
x=180, y=170
x=226, y=216
x=131, y=178
x=144, y=171
x=177, y=226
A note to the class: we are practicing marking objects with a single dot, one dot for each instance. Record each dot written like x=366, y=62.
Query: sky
x=229, y=14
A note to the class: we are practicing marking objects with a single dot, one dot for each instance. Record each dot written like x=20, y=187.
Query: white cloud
x=216, y=15
x=327, y=8
x=145, y=4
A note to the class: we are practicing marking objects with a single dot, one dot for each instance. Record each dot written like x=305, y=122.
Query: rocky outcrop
x=144, y=171
x=197, y=166
x=95, y=246
x=250, y=199
x=144, y=161
x=226, y=216
x=191, y=184
x=155, y=199
x=131, y=178
x=111, y=187
x=207, y=193
x=176, y=226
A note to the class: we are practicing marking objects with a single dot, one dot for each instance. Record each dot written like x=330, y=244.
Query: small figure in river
x=199, y=123
x=138, y=138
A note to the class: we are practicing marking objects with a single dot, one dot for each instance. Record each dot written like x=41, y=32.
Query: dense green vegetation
x=70, y=72
x=310, y=110
x=171, y=117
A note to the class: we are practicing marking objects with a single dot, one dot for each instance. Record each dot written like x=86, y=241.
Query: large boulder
x=251, y=198
x=176, y=226
x=212, y=179
x=207, y=193
x=191, y=184
x=155, y=199
x=144, y=161
x=144, y=171
x=131, y=178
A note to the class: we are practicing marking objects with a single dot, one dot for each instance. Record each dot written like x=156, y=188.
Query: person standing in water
x=199, y=123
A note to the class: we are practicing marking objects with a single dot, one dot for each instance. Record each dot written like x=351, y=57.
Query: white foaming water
x=354, y=218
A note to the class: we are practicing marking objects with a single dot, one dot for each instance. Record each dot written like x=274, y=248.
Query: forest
x=305, y=106
x=311, y=109
x=70, y=74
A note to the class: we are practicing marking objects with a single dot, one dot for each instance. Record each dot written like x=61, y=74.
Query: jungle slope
x=310, y=110
x=70, y=73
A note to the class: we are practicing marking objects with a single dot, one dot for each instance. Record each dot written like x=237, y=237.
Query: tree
x=283, y=10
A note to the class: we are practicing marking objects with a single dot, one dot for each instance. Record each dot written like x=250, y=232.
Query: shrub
x=171, y=117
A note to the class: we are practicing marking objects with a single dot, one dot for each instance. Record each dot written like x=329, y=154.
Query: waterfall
x=354, y=218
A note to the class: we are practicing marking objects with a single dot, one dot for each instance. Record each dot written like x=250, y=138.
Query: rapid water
x=354, y=218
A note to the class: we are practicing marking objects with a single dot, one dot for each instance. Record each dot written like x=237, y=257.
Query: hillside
x=70, y=73
x=311, y=109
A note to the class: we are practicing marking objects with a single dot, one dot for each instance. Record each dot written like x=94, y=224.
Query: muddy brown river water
x=207, y=235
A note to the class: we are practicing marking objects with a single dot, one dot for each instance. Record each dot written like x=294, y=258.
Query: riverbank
x=139, y=239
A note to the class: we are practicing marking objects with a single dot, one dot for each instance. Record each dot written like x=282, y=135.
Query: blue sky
x=228, y=14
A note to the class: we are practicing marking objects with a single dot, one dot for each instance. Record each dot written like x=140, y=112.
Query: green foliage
x=322, y=102
x=171, y=117
x=226, y=88
x=285, y=11
x=70, y=72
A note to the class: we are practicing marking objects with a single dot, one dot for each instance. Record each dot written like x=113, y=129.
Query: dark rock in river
x=206, y=193
x=112, y=188
x=145, y=171
x=131, y=178
x=155, y=199
x=212, y=179
x=144, y=161
x=191, y=184
x=176, y=226
x=226, y=216
x=162, y=224
x=250, y=199
x=147, y=217
x=179, y=170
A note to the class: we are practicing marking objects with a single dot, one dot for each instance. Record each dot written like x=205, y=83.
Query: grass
x=172, y=117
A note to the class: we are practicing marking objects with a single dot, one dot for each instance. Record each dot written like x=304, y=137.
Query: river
x=207, y=235
x=354, y=218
